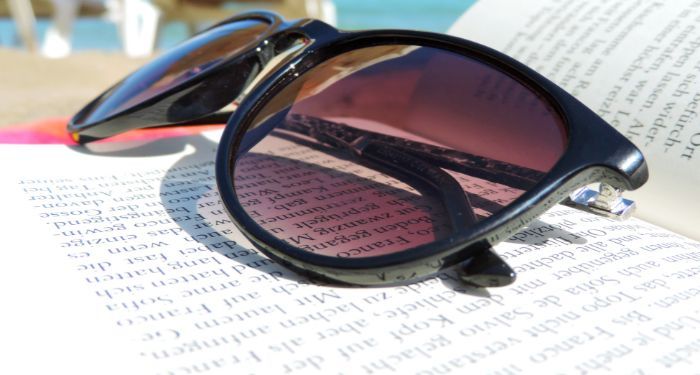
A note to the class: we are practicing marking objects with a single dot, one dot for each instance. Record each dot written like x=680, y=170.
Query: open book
x=119, y=258
x=636, y=64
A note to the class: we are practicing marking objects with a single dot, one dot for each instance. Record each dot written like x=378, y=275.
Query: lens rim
x=152, y=111
x=595, y=152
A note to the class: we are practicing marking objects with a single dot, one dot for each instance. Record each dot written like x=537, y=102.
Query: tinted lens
x=181, y=63
x=386, y=148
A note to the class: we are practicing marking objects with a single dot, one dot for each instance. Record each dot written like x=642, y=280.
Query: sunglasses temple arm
x=392, y=160
x=485, y=268
x=453, y=198
x=497, y=171
x=585, y=199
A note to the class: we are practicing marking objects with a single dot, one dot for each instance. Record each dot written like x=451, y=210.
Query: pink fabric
x=53, y=131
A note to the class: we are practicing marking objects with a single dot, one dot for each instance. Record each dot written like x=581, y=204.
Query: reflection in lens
x=386, y=148
x=181, y=63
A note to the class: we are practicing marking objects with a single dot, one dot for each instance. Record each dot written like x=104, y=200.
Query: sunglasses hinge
x=604, y=200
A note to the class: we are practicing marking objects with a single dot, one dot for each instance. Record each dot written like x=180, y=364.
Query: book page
x=635, y=63
x=122, y=259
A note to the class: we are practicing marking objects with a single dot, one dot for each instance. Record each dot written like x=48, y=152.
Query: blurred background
x=55, y=28
x=56, y=55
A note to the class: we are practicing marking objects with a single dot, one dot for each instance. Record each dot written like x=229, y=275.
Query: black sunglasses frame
x=595, y=152
x=213, y=88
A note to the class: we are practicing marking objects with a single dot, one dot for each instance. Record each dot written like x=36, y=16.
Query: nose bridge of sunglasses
x=274, y=52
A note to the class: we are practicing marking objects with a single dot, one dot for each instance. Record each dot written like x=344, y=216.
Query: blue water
x=431, y=15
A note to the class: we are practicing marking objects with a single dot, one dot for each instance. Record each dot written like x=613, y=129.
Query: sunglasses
x=376, y=157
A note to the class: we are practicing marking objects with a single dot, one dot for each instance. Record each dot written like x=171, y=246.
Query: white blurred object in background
x=57, y=39
x=195, y=13
x=23, y=15
x=139, y=21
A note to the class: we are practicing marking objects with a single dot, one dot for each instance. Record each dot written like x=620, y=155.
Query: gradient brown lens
x=181, y=63
x=382, y=149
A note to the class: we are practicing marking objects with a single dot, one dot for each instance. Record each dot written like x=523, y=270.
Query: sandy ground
x=33, y=87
